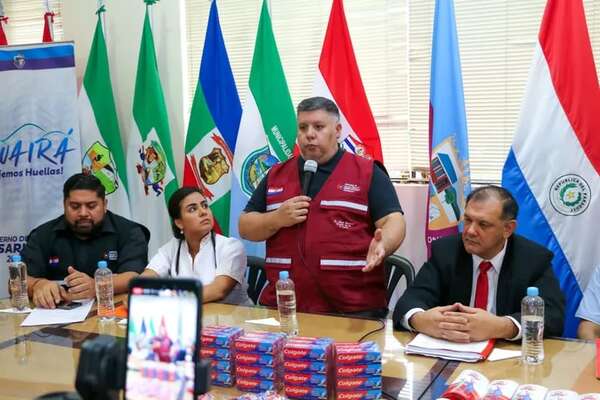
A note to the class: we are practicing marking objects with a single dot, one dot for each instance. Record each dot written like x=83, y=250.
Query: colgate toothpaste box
x=357, y=353
x=358, y=395
x=268, y=344
x=216, y=353
x=257, y=385
x=256, y=371
x=267, y=360
x=222, y=366
x=358, y=370
x=220, y=336
x=305, y=366
x=310, y=339
x=222, y=379
x=306, y=392
x=304, y=379
x=306, y=351
x=358, y=383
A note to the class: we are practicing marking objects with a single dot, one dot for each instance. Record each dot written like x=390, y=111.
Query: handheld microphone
x=310, y=167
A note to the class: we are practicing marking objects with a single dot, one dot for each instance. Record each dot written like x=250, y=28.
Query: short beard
x=85, y=232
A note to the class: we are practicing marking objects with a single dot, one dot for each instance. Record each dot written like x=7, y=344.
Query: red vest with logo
x=325, y=254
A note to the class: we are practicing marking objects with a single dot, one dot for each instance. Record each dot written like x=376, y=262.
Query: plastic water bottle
x=17, y=272
x=286, y=304
x=104, y=291
x=532, y=326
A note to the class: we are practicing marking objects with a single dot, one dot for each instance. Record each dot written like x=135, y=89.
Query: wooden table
x=37, y=360
x=568, y=364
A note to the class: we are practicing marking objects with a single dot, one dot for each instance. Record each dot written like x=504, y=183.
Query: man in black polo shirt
x=62, y=254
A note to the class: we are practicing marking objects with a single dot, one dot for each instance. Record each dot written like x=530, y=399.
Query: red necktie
x=481, y=291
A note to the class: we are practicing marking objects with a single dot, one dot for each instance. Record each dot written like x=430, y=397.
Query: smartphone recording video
x=162, y=337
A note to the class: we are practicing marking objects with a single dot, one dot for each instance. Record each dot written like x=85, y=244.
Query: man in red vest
x=333, y=238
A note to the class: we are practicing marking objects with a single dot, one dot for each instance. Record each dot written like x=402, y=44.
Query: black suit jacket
x=447, y=276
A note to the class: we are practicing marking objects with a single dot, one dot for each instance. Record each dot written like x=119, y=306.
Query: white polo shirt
x=230, y=256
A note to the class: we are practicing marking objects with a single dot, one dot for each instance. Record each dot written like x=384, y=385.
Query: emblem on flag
x=213, y=166
x=447, y=185
x=152, y=168
x=255, y=168
x=19, y=61
x=97, y=161
x=570, y=195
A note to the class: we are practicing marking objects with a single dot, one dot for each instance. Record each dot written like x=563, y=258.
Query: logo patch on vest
x=274, y=190
x=53, y=261
x=343, y=224
x=112, y=255
x=348, y=187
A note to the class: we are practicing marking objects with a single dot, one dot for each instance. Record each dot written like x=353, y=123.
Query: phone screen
x=162, y=333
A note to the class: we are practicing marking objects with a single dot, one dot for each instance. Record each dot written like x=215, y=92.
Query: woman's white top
x=231, y=262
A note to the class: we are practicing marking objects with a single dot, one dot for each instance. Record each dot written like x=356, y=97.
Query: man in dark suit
x=471, y=287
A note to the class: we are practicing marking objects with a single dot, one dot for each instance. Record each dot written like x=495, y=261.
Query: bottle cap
x=532, y=291
x=16, y=258
x=284, y=275
x=102, y=264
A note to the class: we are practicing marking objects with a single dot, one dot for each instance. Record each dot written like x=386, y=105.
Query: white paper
x=432, y=347
x=502, y=354
x=42, y=316
x=266, y=321
x=428, y=342
x=13, y=310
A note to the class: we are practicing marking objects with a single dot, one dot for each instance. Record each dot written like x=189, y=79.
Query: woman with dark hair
x=197, y=251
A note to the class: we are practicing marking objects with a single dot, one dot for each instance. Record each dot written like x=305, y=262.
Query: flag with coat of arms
x=268, y=127
x=553, y=167
x=213, y=126
x=338, y=79
x=150, y=166
x=101, y=146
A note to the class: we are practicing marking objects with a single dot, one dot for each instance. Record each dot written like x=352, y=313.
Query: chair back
x=257, y=278
x=395, y=268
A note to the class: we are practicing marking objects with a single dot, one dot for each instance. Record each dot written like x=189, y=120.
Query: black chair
x=397, y=267
x=257, y=278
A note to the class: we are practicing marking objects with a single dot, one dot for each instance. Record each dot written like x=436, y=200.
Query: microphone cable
x=381, y=327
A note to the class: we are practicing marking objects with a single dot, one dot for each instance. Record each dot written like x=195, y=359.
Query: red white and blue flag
x=553, y=167
x=338, y=79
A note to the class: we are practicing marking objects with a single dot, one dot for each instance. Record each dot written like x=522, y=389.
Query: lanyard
x=214, y=245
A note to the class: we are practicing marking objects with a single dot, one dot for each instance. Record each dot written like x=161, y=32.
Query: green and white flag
x=101, y=147
x=150, y=167
x=268, y=126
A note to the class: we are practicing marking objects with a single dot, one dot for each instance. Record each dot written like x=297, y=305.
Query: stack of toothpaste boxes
x=217, y=345
x=259, y=361
x=357, y=371
x=307, y=367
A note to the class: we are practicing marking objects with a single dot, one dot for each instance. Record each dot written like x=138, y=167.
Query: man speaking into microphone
x=331, y=226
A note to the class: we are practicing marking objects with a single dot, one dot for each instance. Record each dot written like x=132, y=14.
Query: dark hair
x=510, y=208
x=174, y=206
x=84, y=181
x=319, y=103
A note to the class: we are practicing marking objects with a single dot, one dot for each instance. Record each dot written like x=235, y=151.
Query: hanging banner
x=39, y=139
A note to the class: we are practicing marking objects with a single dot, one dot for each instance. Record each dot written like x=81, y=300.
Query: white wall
x=123, y=28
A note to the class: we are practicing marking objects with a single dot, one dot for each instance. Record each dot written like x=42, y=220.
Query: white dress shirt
x=230, y=256
x=492, y=275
